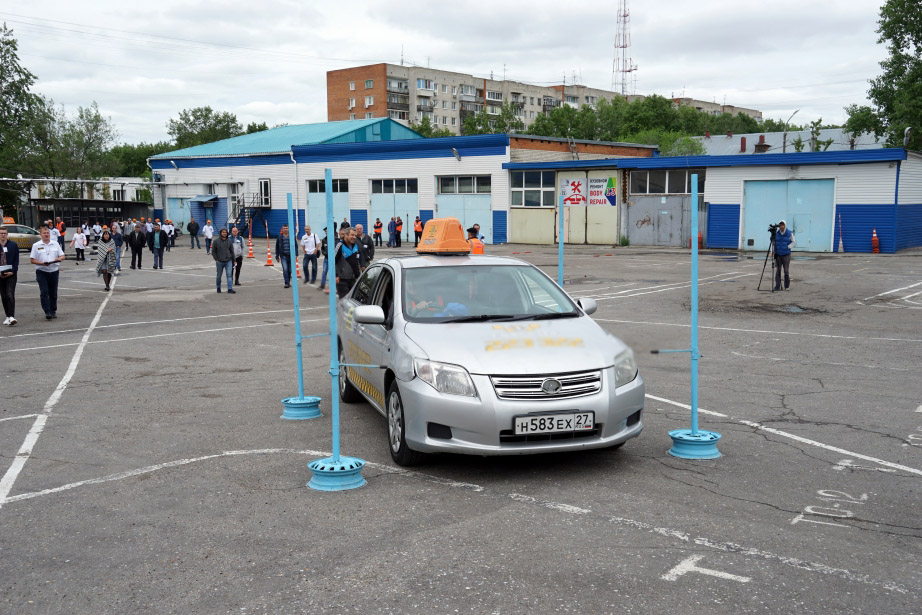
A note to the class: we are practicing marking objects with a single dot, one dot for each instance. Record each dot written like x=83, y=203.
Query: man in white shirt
x=78, y=243
x=168, y=227
x=311, y=245
x=149, y=227
x=97, y=231
x=208, y=233
x=46, y=254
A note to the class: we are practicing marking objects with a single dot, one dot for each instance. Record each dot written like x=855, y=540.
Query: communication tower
x=623, y=67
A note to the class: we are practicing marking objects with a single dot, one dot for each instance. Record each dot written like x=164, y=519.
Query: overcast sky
x=267, y=61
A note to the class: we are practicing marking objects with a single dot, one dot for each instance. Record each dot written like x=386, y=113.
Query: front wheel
x=347, y=391
x=402, y=454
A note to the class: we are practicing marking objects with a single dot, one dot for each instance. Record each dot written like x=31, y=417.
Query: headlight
x=625, y=368
x=445, y=378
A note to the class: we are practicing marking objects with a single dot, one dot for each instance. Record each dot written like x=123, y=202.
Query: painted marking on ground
x=690, y=565
x=767, y=331
x=725, y=547
x=791, y=436
x=16, y=418
x=25, y=451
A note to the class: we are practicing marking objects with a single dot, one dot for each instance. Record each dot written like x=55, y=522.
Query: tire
x=401, y=453
x=347, y=391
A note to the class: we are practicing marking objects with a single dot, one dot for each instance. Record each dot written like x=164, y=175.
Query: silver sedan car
x=484, y=355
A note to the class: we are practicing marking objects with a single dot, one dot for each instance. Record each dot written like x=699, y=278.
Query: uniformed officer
x=46, y=255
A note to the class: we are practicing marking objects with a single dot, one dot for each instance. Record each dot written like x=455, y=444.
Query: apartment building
x=412, y=93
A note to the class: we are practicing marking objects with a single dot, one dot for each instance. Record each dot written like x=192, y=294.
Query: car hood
x=519, y=348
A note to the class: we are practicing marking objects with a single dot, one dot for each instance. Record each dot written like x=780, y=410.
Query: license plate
x=553, y=423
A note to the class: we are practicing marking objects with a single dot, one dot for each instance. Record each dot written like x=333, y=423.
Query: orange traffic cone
x=297, y=268
x=269, y=257
x=250, y=255
x=875, y=242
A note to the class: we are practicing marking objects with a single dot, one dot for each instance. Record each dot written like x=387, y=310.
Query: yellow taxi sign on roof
x=443, y=236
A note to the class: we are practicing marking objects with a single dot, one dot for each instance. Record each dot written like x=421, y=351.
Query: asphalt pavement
x=146, y=469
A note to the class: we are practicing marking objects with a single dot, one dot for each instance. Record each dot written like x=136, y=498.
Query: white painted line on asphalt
x=919, y=409
x=890, y=292
x=25, y=451
x=155, y=322
x=690, y=565
x=666, y=286
x=147, y=337
x=770, y=332
x=683, y=285
x=725, y=547
x=15, y=418
x=791, y=436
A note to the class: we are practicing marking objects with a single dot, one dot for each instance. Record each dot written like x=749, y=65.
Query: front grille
x=529, y=387
x=507, y=436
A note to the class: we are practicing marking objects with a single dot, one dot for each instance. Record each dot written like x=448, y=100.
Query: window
x=468, y=90
x=673, y=181
x=319, y=185
x=118, y=195
x=265, y=192
x=369, y=101
x=532, y=115
x=351, y=116
x=454, y=106
x=398, y=115
x=444, y=88
x=492, y=95
x=533, y=188
x=454, y=121
x=493, y=110
x=454, y=90
x=444, y=104
x=369, y=115
x=366, y=286
x=351, y=103
x=395, y=186
x=531, y=100
x=465, y=184
x=572, y=99
x=352, y=85
x=421, y=115
x=424, y=84
x=369, y=83
x=444, y=120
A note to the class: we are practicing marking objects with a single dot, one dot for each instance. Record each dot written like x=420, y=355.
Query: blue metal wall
x=909, y=225
x=723, y=226
x=499, y=227
x=858, y=222
x=158, y=214
x=218, y=217
x=425, y=215
x=359, y=216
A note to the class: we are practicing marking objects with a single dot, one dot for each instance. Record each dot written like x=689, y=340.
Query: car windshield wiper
x=549, y=316
x=481, y=318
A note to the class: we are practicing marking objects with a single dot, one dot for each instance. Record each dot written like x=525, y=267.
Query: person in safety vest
x=379, y=226
x=399, y=230
x=476, y=244
x=417, y=231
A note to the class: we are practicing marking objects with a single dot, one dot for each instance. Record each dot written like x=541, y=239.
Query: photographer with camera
x=783, y=239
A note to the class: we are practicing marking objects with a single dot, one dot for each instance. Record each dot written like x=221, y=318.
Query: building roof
x=739, y=160
x=723, y=145
x=516, y=135
x=280, y=140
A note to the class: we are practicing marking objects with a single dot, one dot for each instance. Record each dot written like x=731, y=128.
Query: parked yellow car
x=23, y=236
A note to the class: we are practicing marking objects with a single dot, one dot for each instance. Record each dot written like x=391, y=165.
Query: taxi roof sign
x=443, y=236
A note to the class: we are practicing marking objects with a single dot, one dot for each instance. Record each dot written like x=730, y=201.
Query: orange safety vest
x=476, y=246
x=418, y=226
x=399, y=227
x=378, y=226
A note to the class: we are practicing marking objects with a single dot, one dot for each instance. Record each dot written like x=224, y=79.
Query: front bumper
x=484, y=425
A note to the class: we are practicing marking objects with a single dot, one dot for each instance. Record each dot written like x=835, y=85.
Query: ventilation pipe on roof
x=729, y=134
x=707, y=134
x=851, y=144
x=761, y=139
x=742, y=145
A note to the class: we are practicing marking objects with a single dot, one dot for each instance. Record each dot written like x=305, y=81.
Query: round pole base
x=301, y=408
x=702, y=445
x=336, y=474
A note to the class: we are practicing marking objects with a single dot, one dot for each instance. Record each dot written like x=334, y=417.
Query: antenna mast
x=623, y=65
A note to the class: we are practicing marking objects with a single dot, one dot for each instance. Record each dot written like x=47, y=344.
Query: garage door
x=469, y=209
x=806, y=204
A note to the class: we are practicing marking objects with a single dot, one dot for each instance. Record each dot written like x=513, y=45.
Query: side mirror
x=588, y=305
x=369, y=315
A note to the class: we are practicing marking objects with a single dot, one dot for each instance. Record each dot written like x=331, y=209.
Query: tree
x=669, y=142
x=254, y=127
x=202, y=125
x=426, y=128
x=130, y=160
x=815, y=144
x=862, y=119
x=897, y=92
x=484, y=123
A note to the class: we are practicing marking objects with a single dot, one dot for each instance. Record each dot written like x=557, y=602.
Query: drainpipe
x=896, y=203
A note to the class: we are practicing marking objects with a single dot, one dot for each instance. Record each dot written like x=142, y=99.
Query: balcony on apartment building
x=398, y=88
x=427, y=107
x=398, y=106
x=550, y=103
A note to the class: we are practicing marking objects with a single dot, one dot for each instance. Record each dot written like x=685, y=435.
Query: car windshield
x=477, y=293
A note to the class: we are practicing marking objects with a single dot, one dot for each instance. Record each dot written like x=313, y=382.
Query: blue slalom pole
x=693, y=443
x=300, y=407
x=335, y=473
x=560, y=241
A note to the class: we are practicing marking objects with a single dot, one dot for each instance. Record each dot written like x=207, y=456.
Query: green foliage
x=861, y=120
x=798, y=144
x=428, y=130
x=129, y=160
x=254, y=127
x=625, y=241
x=484, y=123
x=897, y=92
x=202, y=125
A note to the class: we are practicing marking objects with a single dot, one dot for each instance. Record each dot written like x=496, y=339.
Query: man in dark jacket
x=223, y=252
x=156, y=243
x=193, y=229
x=347, y=263
x=9, y=268
x=366, y=246
x=137, y=240
x=283, y=254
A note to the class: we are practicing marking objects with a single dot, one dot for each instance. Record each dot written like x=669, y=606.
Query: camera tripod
x=769, y=254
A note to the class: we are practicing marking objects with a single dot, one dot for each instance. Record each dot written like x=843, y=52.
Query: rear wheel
x=347, y=391
x=402, y=454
